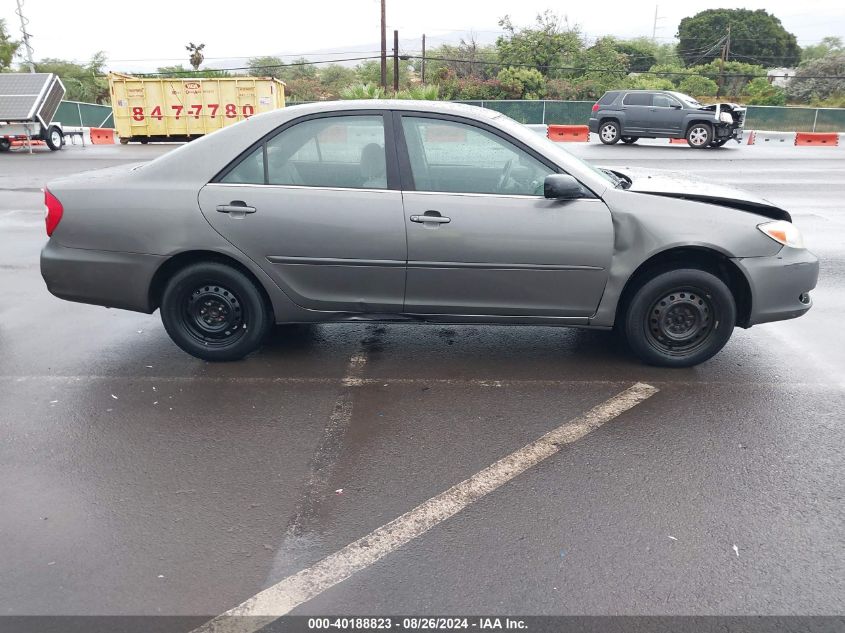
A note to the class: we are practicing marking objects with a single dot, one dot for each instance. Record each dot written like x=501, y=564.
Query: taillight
x=595, y=107
x=54, y=211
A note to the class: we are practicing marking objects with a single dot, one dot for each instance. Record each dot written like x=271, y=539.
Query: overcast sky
x=144, y=34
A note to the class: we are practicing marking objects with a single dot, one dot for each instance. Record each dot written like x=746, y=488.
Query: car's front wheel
x=699, y=135
x=5, y=144
x=680, y=318
x=609, y=132
x=718, y=142
x=215, y=312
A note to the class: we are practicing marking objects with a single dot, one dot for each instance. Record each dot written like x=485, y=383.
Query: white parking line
x=286, y=595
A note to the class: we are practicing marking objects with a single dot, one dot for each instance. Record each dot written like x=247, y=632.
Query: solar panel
x=21, y=94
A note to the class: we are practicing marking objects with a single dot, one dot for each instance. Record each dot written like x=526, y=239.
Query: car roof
x=440, y=107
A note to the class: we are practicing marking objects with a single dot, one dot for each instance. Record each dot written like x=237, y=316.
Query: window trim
x=406, y=174
x=392, y=171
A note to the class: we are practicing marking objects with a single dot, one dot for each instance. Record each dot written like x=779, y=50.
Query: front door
x=316, y=207
x=482, y=239
x=667, y=115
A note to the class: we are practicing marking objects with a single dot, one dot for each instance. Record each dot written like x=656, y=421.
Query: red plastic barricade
x=569, y=133
x=102, y=136
x=817, y=138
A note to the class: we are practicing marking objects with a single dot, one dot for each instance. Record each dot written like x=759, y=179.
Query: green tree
x=602, y=64
x=334, y=78
x=83, y=82
x=696, y=86
x=369, y=72
x=756, y=36
x=521, y=83
x=819, y=79
x=760, y=92
x=547, y=45
x=8, y=47
x=830, y=44
x=266, y=67
x=640, y=53
x=732, y=77
x=467, y=59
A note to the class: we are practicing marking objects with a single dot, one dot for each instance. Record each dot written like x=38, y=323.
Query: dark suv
x=629, y=115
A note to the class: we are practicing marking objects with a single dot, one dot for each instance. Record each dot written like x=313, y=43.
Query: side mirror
x=675, y=106
x=562, y=187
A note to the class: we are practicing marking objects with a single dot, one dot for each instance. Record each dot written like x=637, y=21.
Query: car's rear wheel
x=630, y=140
x=215, y=312
x=609, y=132
x=699, y=135
x=680, y=318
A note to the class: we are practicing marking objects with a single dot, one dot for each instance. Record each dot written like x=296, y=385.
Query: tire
x=124, y=141
x=680, y=318
x=699, y=135
x=610, y=132
x=215, y=312
x=54, y=138
x=5, y=145
x=630, y=140
x=718, y=142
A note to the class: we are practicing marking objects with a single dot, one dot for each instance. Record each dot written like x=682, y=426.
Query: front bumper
x=106, y=278
x=780, y=284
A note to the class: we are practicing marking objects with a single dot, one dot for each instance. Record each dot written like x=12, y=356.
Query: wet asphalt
x=137, y=480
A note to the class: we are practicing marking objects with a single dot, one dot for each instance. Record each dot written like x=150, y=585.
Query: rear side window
x=663, y=101
x=637, y=99
x=608, y=98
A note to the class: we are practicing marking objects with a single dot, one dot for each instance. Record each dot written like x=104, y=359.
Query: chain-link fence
x=775, y=118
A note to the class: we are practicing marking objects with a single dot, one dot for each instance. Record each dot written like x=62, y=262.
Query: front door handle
x=236, y=208
x=432, y=217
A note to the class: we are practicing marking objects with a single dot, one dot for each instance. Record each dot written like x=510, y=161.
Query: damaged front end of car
x=729, y=121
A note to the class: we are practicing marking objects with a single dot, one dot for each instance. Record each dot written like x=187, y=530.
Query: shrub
x=699, y=87
x=760, y=92
x=362, y=91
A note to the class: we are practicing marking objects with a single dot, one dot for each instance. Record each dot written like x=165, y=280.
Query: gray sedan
x=418, y=212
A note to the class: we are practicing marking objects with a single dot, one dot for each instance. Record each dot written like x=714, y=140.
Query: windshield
x=687, y=99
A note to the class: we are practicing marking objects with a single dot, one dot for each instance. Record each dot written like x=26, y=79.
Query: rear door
x=636, y=106
x=482, y=239
x=318, y=207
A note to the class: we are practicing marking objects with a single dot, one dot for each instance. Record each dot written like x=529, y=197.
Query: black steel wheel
x=630, y=140
x=5, y=145
x=215, y=312
x=680, y=318
x=609, y=132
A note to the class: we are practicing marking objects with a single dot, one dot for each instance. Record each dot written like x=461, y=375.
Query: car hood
x=672, y=184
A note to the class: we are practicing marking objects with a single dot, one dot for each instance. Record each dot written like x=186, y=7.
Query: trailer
x=28, y=103
x=159, y=109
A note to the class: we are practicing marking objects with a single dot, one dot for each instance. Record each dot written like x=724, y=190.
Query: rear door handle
x=235, y=207
x=434, y=219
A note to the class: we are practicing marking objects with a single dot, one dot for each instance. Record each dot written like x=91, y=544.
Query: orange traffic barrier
x=817, y=138
x=569, y=133
x=102, y=136
x=678, y=141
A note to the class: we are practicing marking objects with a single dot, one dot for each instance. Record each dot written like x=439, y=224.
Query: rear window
x=608, y=98
x=637, y=99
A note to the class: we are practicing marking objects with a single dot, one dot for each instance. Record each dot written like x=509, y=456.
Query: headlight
x=725, y=117
x=783, y=232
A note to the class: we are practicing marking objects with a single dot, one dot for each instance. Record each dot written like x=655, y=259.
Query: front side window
x=448, y=156
x=340, y=151
x=663, y=101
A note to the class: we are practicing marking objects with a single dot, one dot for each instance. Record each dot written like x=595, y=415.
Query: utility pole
x=654, y=28
x=27, y=46
x=395, y=61
x=422, y=63
x=383, y=45
x=726, y=51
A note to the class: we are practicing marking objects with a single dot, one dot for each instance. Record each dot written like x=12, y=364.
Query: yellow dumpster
x=167, y=109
